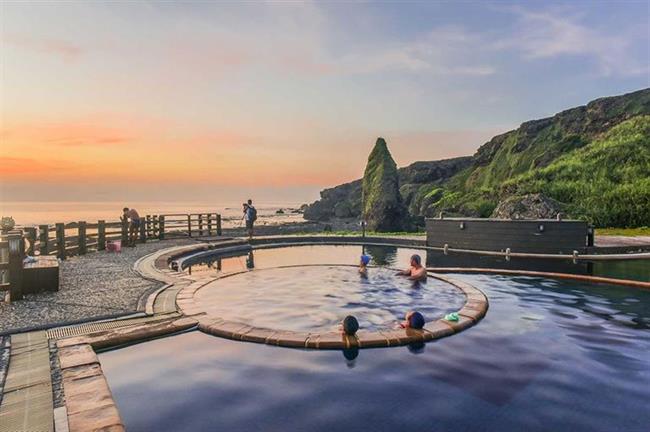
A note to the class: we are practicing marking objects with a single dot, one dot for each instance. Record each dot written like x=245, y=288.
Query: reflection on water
x=631, y=269
x=301, y=255
x=399, y=257
x=549, y=356
x=382, y=255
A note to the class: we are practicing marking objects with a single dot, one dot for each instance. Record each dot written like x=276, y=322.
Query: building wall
x=499, y=234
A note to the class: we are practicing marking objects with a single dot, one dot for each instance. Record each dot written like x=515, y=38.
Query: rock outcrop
x=576, y=157
x=416, y=180
x=383, y=208
x=531, y=206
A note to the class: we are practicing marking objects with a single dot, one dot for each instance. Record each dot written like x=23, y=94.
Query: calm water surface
x=399, y=257
x=549, y=356
x=317, y=298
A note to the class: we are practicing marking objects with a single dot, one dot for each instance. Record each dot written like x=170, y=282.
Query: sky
x=144, y=100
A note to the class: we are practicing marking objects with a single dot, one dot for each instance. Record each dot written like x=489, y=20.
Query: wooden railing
x=78, y=238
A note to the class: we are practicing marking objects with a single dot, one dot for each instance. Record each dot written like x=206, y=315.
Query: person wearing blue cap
x=363, y=265
x=414, y=320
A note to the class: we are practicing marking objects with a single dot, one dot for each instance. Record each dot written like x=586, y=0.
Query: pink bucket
x=114, y=246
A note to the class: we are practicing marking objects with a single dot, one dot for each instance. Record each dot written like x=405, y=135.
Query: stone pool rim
x=474, y=309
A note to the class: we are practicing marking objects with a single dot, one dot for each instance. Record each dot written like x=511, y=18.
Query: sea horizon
x=26, y=213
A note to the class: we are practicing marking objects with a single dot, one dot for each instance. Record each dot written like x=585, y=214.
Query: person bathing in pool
x=413, y=319
x=363, y=265
x=417, y=272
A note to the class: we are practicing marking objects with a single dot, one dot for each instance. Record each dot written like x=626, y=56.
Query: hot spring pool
x=549, y=355
x=316, y=298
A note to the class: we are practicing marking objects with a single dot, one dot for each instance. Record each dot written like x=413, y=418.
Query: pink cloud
x=63, y=49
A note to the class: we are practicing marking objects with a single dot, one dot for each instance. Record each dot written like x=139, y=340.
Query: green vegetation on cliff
x=607, y=182
x=382, y=203
x=592, y=160
x=567, y=157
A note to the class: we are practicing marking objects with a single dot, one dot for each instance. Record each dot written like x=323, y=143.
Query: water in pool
x=549, y=356
x=317, y=298
x=398, y=257
x=386, y=256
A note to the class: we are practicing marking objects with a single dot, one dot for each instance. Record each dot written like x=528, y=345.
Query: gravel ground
x=58, y=397
x=91, y=286
x=4, y=362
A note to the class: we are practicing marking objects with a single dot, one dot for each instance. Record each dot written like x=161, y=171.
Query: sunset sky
x=162, y=100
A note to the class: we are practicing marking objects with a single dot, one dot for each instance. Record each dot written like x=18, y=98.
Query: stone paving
x=94, y=285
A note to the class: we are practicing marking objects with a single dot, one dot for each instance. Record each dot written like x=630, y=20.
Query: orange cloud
x=65, y=133
x=19, y=167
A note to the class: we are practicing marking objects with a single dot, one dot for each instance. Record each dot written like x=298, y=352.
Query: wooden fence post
x=125, y=232
x=44, y=239
x=209, y=224
x=101, y=235
x=590, y=236
x=16, y=255
x=60, y=241
x=143, y=232
x=30, y=235
x=161, y=227
x=189, y=225
x=218, y=224
x=81, y=242
x=200, y=224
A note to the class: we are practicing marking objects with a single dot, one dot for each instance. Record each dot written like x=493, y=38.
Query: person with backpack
x=250, y=215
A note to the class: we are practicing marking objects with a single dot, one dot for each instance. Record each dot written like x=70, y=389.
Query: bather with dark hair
x=414, y=320
x=416, y=271
x=350, y=325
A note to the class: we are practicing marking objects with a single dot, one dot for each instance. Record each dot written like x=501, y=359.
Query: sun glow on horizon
x=283, y=96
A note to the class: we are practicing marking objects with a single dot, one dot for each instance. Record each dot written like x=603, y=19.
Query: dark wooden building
x=530, y=236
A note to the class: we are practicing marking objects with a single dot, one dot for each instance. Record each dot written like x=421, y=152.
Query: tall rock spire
x=383, y=208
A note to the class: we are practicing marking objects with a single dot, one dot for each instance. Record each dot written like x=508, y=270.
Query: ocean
x=29, y=213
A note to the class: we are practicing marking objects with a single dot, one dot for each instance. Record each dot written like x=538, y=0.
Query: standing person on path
x=250, y=215
x=132, y=216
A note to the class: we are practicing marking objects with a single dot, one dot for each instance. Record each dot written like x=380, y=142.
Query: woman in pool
x=414, y=320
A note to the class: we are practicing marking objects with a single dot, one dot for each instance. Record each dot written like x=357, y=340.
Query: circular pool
x=317, y=297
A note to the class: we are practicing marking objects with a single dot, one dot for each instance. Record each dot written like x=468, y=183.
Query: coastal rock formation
x=348, y=195
x=416, y=180
x=383, y=208
x=593, y=158
x=531, y=206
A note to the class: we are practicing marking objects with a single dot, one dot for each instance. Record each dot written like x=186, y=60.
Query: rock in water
x=382, y=202
x=531, y=206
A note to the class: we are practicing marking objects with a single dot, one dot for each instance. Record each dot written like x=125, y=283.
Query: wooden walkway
x=27, y=403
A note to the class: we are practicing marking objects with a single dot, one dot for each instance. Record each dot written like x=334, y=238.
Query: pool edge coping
x=473, y=310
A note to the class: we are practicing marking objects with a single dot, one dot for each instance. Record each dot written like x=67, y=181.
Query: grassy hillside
x=594, y=160
x=607, y=182
x=544, y=156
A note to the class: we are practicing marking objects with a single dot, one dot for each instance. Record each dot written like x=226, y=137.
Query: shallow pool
x=549, y=356
x=317, y=298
